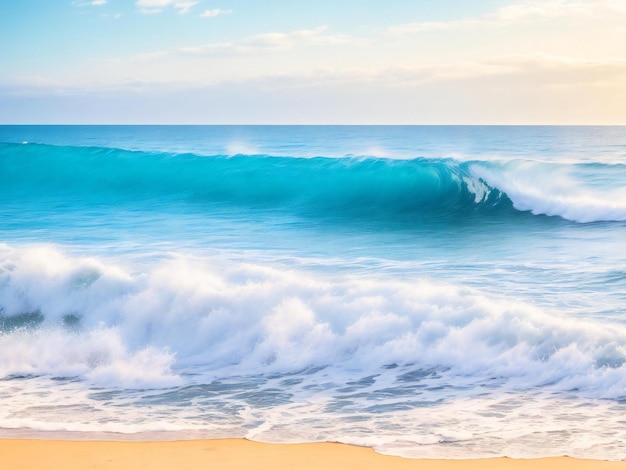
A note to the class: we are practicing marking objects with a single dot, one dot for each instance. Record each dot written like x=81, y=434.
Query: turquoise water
x=427, y=291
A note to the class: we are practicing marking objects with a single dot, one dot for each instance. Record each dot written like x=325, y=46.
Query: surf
x=68, y=316
x=351, y=187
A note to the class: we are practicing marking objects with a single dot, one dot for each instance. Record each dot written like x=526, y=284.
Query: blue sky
x=341, y=61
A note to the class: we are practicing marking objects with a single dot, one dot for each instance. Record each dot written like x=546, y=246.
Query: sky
x=313, y=62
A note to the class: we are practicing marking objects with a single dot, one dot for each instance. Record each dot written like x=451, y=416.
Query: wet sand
x=31, y=454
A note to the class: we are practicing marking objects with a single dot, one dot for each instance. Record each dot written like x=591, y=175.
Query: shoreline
x=237, y=453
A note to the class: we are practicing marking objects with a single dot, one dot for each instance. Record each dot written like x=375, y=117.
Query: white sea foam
x=112, y=326
x=555, y=190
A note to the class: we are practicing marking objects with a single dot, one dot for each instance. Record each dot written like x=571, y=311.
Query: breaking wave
x=318, y=187
x=67, y=316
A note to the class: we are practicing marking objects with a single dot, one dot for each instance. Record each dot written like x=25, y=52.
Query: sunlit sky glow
x=334, y=62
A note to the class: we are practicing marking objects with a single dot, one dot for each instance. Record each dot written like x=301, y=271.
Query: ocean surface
x=427, y=291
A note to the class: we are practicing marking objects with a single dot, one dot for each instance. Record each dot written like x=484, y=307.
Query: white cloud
x=154, y=3
x=86, y=3
x=496, y=91
x=184, y=7
x=157, y=6
x=500, y=89
x=539, y=72
x=525, y=12
x=317, y=36
x=273, y=41
x=500, y=72
x=531, y=61
x=531, y=71
x=215, y=12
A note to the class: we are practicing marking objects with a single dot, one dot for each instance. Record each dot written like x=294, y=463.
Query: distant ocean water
x=435, y=291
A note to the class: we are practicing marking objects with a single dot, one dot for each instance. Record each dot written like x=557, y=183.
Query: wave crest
x=583, y=193
x=318, y=187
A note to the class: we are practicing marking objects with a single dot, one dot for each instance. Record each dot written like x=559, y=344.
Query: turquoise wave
x=364, y=186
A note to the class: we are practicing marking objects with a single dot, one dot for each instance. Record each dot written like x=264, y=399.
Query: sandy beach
x=30, y=454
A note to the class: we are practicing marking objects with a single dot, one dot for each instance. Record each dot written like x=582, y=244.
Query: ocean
x=429, y=291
